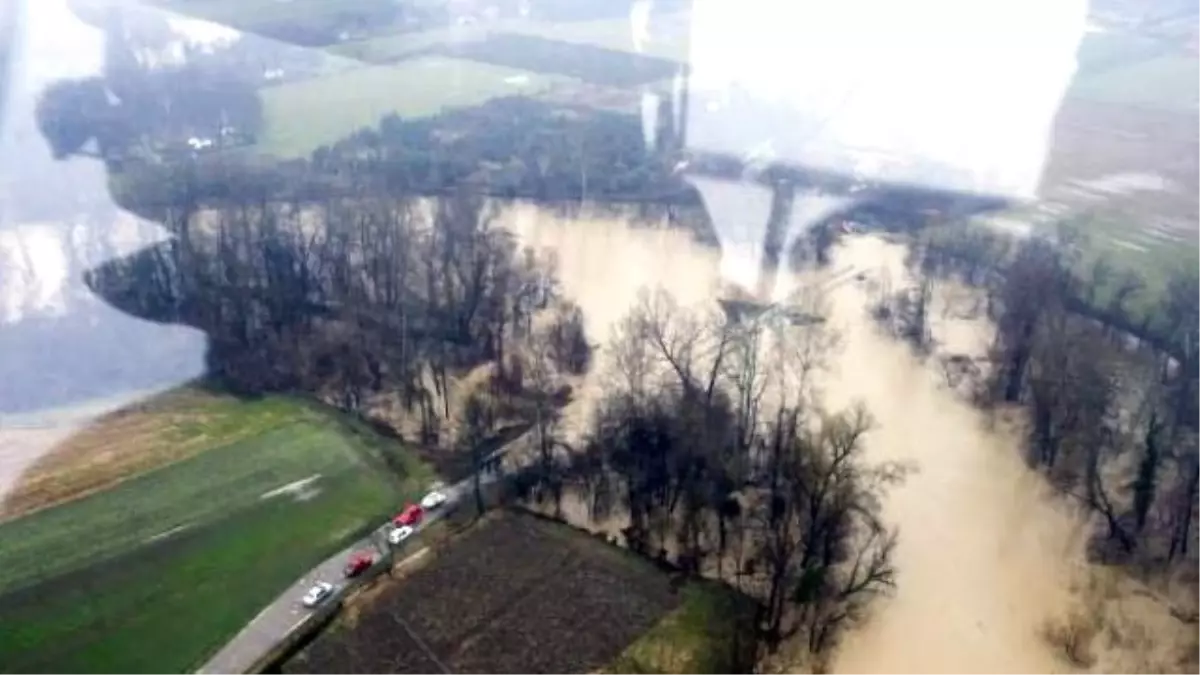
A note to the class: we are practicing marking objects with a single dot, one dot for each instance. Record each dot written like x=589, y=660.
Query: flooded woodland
x=751, y=330
x=987, y=557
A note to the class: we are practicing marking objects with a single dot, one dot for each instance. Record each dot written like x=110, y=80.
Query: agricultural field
x=182, y=535
x=160, y=430
x=338, y=105
x=1123, y=163
x=512, y=592
x=419, y=74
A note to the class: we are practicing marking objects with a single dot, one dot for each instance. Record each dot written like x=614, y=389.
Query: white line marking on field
x=167, y=533
x=295, y=487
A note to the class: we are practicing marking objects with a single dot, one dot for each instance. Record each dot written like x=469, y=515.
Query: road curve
x=274, y=623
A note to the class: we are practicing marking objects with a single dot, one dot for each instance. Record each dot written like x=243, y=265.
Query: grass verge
x=710, y=632
x=167, y=606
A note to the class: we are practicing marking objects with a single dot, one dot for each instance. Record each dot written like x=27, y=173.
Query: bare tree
x=1035, y=284
x=477, y=422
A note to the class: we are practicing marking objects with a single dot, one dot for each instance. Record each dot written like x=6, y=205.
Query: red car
x=358, y=563
x=411, y=515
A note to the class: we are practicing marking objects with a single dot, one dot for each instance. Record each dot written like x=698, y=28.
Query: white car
x=399, y=534
x=317, y=593
x=433, y=500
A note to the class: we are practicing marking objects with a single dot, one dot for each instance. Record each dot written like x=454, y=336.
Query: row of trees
x=709, y=442
x=1112, y=418
x=508, y=147
x=512, y=146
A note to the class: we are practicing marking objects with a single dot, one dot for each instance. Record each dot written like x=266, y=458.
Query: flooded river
x=986, y=558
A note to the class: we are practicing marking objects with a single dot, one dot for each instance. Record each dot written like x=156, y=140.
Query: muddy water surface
x=984, y=559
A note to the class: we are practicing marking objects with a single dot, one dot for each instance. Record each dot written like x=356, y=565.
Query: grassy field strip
x=195, y=491
x=158, y=572
x=304, y=115
x=168, y=606
x=688, y=639
x=141, y=437
x=1151, y=253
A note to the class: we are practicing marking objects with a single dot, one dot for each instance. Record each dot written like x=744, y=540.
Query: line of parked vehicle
x=401, y=527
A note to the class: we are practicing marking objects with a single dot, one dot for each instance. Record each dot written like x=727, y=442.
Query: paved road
x=275, y=622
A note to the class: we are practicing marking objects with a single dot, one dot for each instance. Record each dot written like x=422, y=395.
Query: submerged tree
x=693, y=444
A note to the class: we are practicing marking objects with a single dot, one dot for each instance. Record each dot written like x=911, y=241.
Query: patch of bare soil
x=506, y=597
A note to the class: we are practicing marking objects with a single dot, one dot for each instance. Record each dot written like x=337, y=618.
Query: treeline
x=708, y=442
x=1112, y=412
x=509, y=147
x=350, y=300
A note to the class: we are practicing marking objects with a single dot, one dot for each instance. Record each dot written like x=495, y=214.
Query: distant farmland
x=221, y=505
x=521, y=594
x=301, y=116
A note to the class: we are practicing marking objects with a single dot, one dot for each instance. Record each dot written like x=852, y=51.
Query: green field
x=1127, y=244
x=90, y=585
x=697, y=637
x=302, y=116
x=1153, y=257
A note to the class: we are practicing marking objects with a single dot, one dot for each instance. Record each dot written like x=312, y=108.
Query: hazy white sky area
x=943, y=93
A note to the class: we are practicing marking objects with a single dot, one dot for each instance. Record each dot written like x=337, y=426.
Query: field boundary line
x=424, y=647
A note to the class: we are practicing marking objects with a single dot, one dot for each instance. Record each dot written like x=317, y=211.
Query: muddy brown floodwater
x=986, y=558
